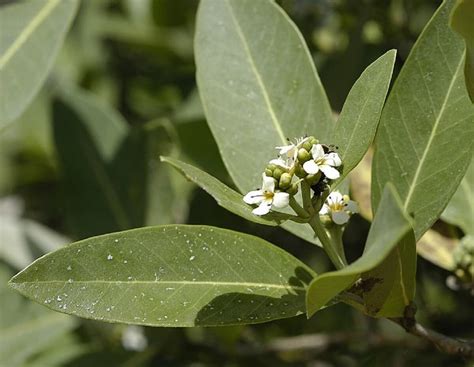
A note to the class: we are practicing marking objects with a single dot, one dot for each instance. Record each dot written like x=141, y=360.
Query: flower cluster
x=305, y=159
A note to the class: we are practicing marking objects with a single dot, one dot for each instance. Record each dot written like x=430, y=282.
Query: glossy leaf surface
x=170, y=276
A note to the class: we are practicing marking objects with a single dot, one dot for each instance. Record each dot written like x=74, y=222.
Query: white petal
x=335, y=197
x=324, y=210
x=317, y=151
x=286, y=149
x=311, y=167
x=333, y=159
x=330, y=172
x=263, y=208
x=254, y=197
x=352, y=206
x=280, y=163
x=268, y=183
x=340, y=217
x=281, y=199
x=301, y=141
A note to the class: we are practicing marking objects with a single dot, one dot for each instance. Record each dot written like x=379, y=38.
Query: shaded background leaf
x=28, y=47
x=27, y=329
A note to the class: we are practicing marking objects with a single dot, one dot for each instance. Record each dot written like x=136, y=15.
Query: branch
x=444, y=343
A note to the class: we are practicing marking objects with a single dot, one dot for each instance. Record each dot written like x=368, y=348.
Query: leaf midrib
x=27, y=31
x=257, y=75
x=431, y=138
x=166, y=282
x=402, y=280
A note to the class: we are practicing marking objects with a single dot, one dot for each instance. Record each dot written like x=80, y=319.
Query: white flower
x=291, y=150
x=323, y=162
x=282, y=163
x=339, y=207
x=266, y=197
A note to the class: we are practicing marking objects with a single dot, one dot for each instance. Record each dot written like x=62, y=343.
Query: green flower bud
x=307, y=145
x=271, y=167
x=313, y=179
x=299, y=171
x=303, y=155
x=293, y=189
x=277, y=172
x=313, y=140
x=268, y=172
x=285, y=181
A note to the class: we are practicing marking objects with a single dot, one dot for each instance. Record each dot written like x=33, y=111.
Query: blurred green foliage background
x=124, y=82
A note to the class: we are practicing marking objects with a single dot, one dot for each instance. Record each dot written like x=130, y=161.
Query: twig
x=444, y=343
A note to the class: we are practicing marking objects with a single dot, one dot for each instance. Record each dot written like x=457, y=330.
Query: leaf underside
x=426, y=135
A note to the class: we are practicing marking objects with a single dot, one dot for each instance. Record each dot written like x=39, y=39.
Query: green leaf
x=426, y=133
x=460, y=210
x=32, y=33
x=112, y=176
x=26, y=328
x=107, y=127
x=174, y=276
x=462, y=21
x=92, y=201
x=386, y=239
x=390, y=287
x=358, y=122
x=224, y=195
x=257, y=83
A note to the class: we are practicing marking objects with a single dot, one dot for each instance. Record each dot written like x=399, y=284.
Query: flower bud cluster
x=304, y=159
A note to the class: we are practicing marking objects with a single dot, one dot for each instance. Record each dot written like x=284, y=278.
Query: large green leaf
x=91, y=198
x=426, y=134
x=357, y=124
x=460, y=210
x=170, y=276
x=387, y=243
x=224, y=195
x=26, y=328
x=462, y=21
x=32, y=32
x=257, y=83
